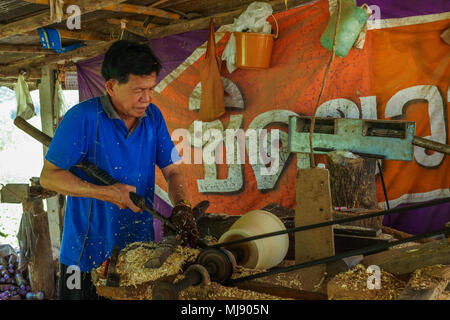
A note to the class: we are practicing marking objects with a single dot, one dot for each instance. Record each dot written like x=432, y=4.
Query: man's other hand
x=182, y=217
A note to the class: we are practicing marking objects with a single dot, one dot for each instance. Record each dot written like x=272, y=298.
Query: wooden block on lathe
x=313, y=205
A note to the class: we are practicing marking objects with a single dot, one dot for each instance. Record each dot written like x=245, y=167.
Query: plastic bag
x=254, y=19
x=25, y=107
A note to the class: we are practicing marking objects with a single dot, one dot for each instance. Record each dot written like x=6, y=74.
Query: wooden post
x=41, y=267
x=313, y=205
x=49, y=120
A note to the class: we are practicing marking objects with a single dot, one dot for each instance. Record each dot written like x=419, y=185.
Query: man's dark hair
x=126, y=57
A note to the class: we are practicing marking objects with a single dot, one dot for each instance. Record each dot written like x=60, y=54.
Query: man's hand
x=65, y=182
x=119, y=194
x=182, y=217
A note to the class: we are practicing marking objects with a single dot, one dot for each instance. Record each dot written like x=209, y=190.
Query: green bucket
x=353, y=19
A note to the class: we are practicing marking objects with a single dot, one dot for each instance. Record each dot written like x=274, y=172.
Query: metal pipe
x=431, y=145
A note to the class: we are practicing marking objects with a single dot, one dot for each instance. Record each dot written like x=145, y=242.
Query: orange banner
x=395, y=65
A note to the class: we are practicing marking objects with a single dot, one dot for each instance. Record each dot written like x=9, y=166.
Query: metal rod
x=339, y=221
x=351, y=253
x=431, y=145
x=384, y=191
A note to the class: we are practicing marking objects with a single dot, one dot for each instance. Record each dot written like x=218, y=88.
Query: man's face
x=132, y=98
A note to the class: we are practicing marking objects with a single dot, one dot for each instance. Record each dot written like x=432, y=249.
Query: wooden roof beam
x=77, y=35
x=22, y=48
x=159, y=32
x=219, y=19
x=149, y=10
x=133, y=23
x=43, y=19
x=129, y=8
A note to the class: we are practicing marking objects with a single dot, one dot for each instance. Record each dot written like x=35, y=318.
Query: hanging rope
x=313, y=120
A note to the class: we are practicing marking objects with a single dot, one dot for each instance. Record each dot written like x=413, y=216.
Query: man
x=126, y=136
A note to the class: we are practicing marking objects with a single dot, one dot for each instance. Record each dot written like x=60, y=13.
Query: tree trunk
x=352, y=182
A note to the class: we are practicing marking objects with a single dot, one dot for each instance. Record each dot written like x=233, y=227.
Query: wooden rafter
x=158, y=32
x=134, y=23
x=219, y=19
x=22, y=48
x=78, y=35
x=129, y=8
x=43, y=19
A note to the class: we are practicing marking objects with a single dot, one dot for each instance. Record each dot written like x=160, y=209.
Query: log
x=41, y=267
x=406, y=260
x=353, y=185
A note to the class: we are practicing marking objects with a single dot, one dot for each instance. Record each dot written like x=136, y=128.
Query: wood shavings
x=210, y=240
x=424, y=279
x=130, y=264
x=215, y=291
x=353, y=285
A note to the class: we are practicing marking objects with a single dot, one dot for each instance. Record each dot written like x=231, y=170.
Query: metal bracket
x=384, y=139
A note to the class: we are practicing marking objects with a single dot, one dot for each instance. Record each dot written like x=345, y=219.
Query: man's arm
x=176, y=185
x=182, y=216
x=64, y=182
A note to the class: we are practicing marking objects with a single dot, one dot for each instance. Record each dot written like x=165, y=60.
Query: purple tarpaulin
x=419, y=220
x=400, y=8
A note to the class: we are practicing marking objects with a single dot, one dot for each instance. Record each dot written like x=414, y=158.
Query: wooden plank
x=406, y=260
x=77, y=35
x=43, y=19
x=313, y=205
x=427, y=284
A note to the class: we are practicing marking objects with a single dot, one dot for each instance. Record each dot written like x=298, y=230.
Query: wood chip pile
x=352, y=285
x=215, y=291
x=130, y=264
x=424, y=278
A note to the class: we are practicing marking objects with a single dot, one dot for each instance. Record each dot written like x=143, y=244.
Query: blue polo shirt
x=94, y=132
